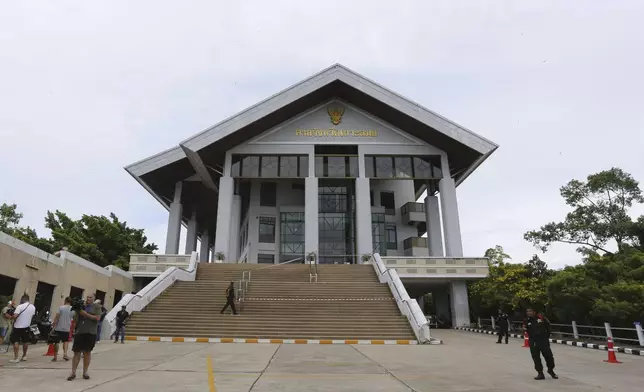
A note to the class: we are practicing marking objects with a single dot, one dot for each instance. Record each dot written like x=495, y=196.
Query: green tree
x=103, y=240
x=9, y=217
x=99, y=239
x=497, y=255
x=509, y=286
x=599, y=216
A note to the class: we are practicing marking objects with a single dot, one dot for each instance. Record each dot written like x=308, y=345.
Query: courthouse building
x=330, y=168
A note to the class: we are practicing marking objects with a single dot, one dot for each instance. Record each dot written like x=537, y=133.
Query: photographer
x=5, y=323
x=85, y=337
x=20, y=334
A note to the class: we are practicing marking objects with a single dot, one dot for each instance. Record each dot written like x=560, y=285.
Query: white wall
x=287, y=199
x=403, y=193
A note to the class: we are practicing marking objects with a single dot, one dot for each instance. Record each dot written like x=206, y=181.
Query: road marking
x=176, y=339
x=211, y=376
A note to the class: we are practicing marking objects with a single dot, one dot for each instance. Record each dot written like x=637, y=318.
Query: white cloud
x=88, y=87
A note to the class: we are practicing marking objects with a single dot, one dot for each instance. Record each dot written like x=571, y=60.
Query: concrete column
x=460, y=304
x=441, y=300
x=311, y=215
x=174, y=222
x=364, y=240
x=235, y=224
x=449, y=209
x=191, y=236
x=204, y=249
x=224, y=216
x=434, y=232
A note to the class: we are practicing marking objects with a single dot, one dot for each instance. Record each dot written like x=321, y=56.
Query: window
x=250, y=166
x=384, y=167
x=265, y=259
x=378, y=234
x=269, y=166
x=371, y=198
x=392, y=238
x=292, y=235
x=268, y=194
x=403, y=167
x=387, y=201
x=266, y=229
x=288, y=166
x=422, y=168
x=336, y=166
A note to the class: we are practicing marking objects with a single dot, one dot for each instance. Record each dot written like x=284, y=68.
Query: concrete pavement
x=466, y=362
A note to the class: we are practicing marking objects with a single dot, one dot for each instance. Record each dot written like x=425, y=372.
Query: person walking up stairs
x=230, y=299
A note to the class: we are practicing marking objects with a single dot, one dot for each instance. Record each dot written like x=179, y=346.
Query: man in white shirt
x=20, y=334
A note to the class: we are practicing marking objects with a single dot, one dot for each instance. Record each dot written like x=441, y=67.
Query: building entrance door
x=336, y=221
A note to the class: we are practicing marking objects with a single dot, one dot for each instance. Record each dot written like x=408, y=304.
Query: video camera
x=77, y=304
x=11, y=311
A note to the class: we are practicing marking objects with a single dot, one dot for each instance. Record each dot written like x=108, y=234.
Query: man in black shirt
x=230, y=299
x=538, y=329
x=121, y=318
x=503, y=324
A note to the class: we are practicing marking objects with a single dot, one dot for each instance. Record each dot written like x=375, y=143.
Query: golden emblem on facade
x=335, y=115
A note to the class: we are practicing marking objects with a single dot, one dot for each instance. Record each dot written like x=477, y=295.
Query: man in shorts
x=85, y=336
x=20, y=334
x=61, y=326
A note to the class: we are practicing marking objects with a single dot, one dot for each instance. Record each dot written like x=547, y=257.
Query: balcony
x=413, y=214
x=154, y=265
x=438, y=267
x=416, y=246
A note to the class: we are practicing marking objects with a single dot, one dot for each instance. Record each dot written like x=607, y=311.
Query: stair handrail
x=137, y=302
x=313, y=271
x=267, y=267
x=408, y=307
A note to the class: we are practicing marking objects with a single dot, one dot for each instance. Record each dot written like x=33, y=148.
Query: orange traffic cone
x=526, y=340
x=50, y=351
x=611, y=352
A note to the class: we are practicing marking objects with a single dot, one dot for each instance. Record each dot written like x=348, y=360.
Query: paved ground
x=466, y=362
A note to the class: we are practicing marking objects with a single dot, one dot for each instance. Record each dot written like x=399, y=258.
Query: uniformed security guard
x=503, y=324
x=538, y=328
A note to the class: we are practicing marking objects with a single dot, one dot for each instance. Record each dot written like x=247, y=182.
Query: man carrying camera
x=5, y=324
x=20, y=334
x=85, y=336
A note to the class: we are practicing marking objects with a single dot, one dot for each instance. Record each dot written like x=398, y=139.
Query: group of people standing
x=538, y=329
x=85, y=319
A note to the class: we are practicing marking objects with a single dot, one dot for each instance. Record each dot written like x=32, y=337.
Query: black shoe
x=506, y=342
x=553, y=374
x=498, y=342
x=540, y=376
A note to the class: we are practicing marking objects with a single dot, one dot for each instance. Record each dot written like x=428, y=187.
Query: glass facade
x=291, y=235
x=270, y=166
x=388, y=166
x=336, y=222
x=378, y=233
x=336, y=166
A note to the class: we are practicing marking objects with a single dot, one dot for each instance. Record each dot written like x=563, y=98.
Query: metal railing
x=313, y=271
x=244, y=282
x=632, y=336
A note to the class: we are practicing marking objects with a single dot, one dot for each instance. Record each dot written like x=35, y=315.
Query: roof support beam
x=200, y=168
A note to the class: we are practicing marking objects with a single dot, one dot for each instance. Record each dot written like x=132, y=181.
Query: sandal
x=85, y=376
x=71, y=377
x=54, y=360
x=66, y=358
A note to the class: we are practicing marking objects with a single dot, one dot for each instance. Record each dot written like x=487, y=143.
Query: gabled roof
x=466, y=150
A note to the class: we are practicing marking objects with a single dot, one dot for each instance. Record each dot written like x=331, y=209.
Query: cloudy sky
x=87, y=87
